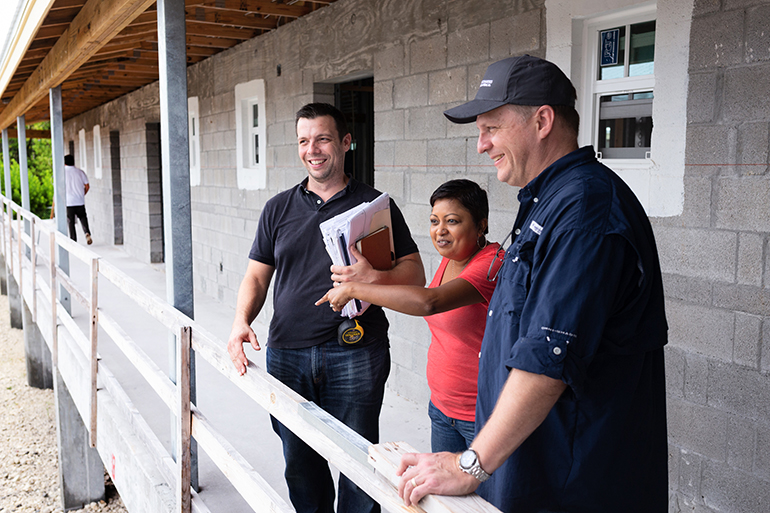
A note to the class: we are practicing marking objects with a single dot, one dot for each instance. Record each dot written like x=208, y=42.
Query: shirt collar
x=349, y=188
x=555, y=175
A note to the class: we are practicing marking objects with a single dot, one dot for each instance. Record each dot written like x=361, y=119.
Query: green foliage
x=39, y=164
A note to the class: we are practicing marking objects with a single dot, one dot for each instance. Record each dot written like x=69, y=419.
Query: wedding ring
x=414, y=483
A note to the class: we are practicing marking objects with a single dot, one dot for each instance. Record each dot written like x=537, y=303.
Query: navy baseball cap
x=523, y=80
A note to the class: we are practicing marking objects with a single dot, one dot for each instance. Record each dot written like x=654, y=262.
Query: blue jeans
x=347, y=382
x=448, y=434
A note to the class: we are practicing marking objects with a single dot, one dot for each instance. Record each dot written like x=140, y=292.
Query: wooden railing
x=371, y=468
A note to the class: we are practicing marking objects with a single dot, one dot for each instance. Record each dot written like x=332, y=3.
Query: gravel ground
x=29, y=480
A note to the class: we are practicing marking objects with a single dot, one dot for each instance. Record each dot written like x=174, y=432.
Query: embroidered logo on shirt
x=486, y=83
x=535, y=227
x=560, y=332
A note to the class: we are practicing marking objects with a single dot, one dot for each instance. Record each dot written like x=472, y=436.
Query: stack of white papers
x=343, y=230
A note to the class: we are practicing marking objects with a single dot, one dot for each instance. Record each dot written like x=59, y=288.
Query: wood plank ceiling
x=130, y=60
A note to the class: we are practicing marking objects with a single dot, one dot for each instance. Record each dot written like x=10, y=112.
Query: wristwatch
x=469, y=463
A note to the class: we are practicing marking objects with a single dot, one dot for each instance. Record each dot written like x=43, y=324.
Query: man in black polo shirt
x=302, y=349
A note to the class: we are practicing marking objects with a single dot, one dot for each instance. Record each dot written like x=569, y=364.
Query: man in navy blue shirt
x=571, y=413
x=302, y=348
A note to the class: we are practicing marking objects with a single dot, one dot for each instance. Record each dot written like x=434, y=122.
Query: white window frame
x=658, y=181
x=194, y=138
x=252, y=172
x=97, y=152
x=82, y=161
x=596, y=88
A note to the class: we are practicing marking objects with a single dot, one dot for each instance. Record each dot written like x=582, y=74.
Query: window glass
x=625, y=125
x=255, y=115
x=642, y=52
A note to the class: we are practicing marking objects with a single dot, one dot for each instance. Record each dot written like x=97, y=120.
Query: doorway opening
x=356, y=100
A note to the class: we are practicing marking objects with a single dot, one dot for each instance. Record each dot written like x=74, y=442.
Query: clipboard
x=360, y=222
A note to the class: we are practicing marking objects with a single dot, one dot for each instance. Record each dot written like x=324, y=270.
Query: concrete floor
x=244, y=424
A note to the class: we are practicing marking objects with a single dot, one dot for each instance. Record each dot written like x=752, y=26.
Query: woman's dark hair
x=472, y=197
x=317, y=110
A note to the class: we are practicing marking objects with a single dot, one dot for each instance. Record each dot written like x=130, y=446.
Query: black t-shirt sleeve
x=263, y=247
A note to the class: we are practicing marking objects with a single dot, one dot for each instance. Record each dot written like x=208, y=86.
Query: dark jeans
x=449, y=434
x=79, y=212
x=349, y=383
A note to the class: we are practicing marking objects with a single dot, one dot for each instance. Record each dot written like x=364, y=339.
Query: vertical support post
x=59, y=185
x=15, y=299
x=19, y=261
x=7, y=165
x=7, y=208
x=54, y=314
x=172, y=65
x=3, y=277
x=10, y=240
x=94, y=345
x=34, y=271
x=23, y=169
x=184, y=502
x=21, y=127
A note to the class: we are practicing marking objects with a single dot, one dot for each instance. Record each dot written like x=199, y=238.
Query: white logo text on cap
x=486, y=83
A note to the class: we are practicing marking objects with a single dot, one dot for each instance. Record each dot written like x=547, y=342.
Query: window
x=632, y=101
x=251, y=134
x=82, y=161
x=97, y=152
x=194, y=138
x=623, y=88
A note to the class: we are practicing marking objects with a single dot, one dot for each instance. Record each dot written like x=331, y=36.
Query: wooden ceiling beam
x=150, y=27
x=46, y=44
x=199, y=51
x=194, y=28
x=60, y=16
x=65, y=4
x=36, y=54
x=98, y=22
x=211, y=42
x=31, y=134
x=252, y=6
x=235, y=19
x=51, y=31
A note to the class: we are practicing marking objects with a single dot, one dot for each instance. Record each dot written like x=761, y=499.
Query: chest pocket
x=517, y=273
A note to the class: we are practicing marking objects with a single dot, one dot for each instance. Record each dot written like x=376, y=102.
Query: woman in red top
x=454, y=305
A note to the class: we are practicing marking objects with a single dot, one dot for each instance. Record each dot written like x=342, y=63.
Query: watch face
x=467, y=459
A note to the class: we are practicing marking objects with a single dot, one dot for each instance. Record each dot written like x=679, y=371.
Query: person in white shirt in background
x=77, y=188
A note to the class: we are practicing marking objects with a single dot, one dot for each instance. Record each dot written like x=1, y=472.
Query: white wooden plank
x=152, y=304
x=385, y=457
x=34, y=271
x=156, y=378
x=283, y=403
x=252, y=487
x=72, y=288
x=93, y=336
x=73, y=248
x=54, y=317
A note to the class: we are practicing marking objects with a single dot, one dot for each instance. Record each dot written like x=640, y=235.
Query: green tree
x=39, y=166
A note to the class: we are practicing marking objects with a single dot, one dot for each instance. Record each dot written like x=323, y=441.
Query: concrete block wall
x=425, y=57
x=128, y=115
x=717, y=272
